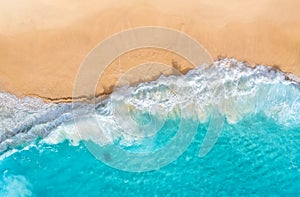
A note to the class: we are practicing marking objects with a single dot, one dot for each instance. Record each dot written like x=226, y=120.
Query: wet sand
x=42, y=44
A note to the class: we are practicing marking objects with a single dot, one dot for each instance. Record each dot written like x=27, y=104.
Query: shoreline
x=101, y=97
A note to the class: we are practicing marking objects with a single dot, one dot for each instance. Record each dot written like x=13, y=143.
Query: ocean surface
x=220, y=130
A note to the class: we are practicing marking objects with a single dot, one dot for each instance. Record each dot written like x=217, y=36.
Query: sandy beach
x=42, y=44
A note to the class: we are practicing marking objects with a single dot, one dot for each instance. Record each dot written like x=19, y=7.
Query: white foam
x=228, y=86
x=15, y=185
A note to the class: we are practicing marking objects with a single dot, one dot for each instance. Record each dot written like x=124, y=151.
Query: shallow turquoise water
x=253, y=157
x=257, y=152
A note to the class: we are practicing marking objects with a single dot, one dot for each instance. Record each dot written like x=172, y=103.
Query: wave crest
x=231, y=87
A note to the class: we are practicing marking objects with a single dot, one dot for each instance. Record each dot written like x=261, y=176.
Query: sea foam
x=228, y=86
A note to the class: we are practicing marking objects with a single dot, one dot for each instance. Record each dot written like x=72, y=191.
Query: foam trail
x=231, y=88
x=14, y=185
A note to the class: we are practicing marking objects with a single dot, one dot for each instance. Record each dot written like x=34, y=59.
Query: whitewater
x=48, y=148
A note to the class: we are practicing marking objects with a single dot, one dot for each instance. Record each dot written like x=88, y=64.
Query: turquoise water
x=256, y=154
x=258, y=159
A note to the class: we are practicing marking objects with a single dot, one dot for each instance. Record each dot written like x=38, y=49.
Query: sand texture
x=43, y=43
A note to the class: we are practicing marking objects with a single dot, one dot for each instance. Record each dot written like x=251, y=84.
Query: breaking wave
x=228, y=86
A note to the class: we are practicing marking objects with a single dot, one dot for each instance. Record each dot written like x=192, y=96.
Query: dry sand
x=43, y=43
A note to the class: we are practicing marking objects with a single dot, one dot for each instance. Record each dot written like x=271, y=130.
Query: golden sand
x=43, y=43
